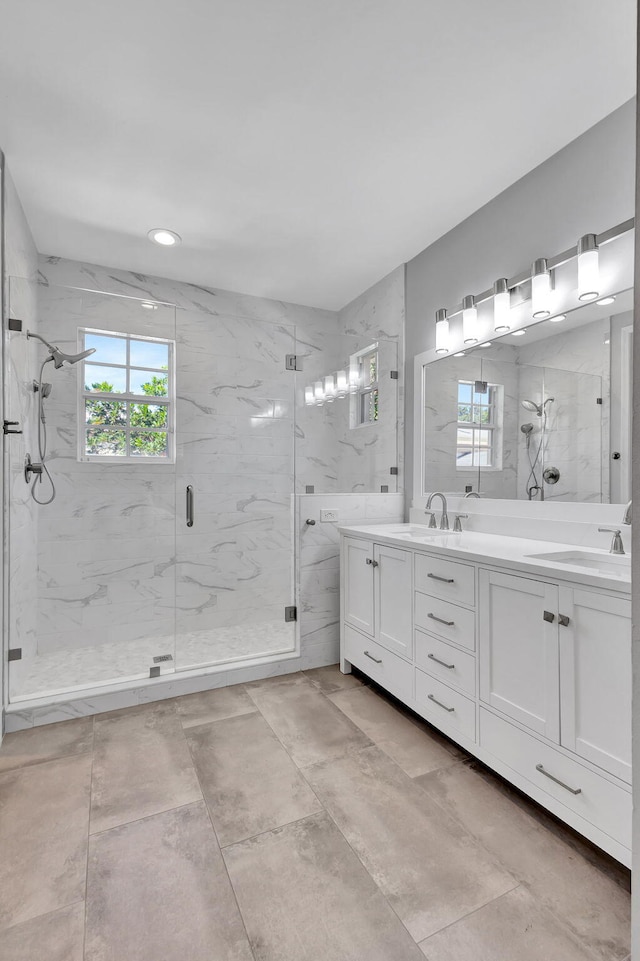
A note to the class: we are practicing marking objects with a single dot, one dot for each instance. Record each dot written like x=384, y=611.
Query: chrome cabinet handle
x=189, y=505
x=432, y=657
x=572, y=790
x=445, y=580
x=563, y=620
x=371, y=657
x=440, y=704
x=441, y=620
x=373, y=563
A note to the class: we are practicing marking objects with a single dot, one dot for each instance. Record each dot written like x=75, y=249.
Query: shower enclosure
x=169, y=544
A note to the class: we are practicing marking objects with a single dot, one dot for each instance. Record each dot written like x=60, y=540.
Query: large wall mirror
x=540, y=414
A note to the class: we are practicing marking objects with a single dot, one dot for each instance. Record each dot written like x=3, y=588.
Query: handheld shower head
x=526, y=428
x=531, y=406
x=58, y=356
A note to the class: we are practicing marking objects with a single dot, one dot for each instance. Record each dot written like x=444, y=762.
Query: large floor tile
x=330, y=679
x=58, y=936
x=158, y=890
x=46, y=742
x=44, y=816
x=142, y=765
x=512, y=928
x=584, y=897
x=311, y=728
x=431, y=869
x=214, y=705
x=305, y=896
x=412, y=747
x=249, y=781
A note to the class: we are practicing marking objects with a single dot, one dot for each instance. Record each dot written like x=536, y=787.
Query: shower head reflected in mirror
x=58, y=356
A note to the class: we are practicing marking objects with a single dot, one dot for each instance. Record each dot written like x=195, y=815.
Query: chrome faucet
x=628, y=513
x=444, y=520
x=472, y=494
x=617, y=547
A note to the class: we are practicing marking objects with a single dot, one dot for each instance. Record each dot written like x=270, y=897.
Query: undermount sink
x=419, y=530
x=617, y=565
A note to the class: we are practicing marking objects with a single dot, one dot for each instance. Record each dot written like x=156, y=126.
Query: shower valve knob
x=11, y=423
x=31, y=469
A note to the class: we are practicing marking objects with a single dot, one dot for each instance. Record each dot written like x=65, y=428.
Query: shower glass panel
x=234, y=494
x=91, y=592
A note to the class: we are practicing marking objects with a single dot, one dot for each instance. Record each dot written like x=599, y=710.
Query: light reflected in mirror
x=543, y=416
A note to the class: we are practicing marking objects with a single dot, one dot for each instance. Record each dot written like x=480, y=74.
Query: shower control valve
x=31, y=469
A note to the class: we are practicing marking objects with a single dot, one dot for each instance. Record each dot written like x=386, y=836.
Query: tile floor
x=298, y=818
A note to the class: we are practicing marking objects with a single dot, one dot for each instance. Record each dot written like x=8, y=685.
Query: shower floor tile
x=279, y=820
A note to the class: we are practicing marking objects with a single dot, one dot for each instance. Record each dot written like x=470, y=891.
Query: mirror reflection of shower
x=57, y=357
x=535, y=485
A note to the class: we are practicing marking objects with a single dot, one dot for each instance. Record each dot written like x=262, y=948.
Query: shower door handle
x=189, y=505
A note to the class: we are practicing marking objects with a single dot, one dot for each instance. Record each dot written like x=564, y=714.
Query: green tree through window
x=110, y=415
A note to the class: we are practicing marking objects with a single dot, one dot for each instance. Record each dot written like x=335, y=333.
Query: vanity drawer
x=445, y=662
x=447, y=620
x=600, y=802
x=387, y=669
x=447, y=579
x=448, y=709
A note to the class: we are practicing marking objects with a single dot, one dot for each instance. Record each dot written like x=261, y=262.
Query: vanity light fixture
x=164, y=237
x=354, y=377
x=588, y=268
x=442, y=332
x=309, y=397
x=318, y=393
x=540, y=289
x=605, y=301
x=342, y=383
x=557, y=318
x=329, y=388
x=469, y=319
x=501, y=305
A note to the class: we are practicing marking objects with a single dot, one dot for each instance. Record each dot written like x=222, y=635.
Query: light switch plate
x=328, y=517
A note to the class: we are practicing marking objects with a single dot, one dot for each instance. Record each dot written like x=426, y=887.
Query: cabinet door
x=595, y=678
x=357, y=558
x=519, y=650
x=394, y=594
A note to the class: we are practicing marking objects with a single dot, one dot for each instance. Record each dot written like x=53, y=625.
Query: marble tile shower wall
x=107, y=574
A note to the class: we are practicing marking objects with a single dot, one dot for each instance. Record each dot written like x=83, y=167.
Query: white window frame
x=169, y=400
x=357, y=398
x=494, y=427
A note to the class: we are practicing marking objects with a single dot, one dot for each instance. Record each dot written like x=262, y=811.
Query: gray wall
x=588, y=186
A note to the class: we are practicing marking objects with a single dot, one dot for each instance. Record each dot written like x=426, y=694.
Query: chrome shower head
x=58, y=356
x=526, y=428
x=531, y=405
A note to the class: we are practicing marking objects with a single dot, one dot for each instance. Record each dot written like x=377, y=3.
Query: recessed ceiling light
x=459, y=354
x=605, y=301
x=164, y=237
x=147, y=306
x=518, y=333
x=556, y=320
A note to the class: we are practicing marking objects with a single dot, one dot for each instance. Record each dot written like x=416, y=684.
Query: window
x=479, y=429
x=126, y=398
x=364, y=372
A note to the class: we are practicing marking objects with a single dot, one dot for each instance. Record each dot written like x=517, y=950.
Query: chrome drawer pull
x=573, y=790
x=432, y=657
x=440, y=620
x=366, y=654
x=440, y=704
x=445, y=580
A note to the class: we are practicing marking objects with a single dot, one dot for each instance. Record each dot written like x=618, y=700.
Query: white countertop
x=509, y=552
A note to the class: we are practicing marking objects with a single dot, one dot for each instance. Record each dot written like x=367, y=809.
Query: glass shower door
x=235, y=551
x=91, y=570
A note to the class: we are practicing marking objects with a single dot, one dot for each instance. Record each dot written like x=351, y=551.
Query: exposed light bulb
x=342, y=383
x=354, y=377
x=148, y=306
x=309, y=397
x=501, y=306
x=318, y=393
x=442, y=332
x=540, y=289
x=588, y=268
x=469, y=320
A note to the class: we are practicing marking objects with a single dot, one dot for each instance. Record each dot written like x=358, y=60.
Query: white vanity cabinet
x=532, y=674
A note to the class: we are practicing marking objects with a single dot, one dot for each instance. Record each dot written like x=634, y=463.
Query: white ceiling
x=302, y=148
